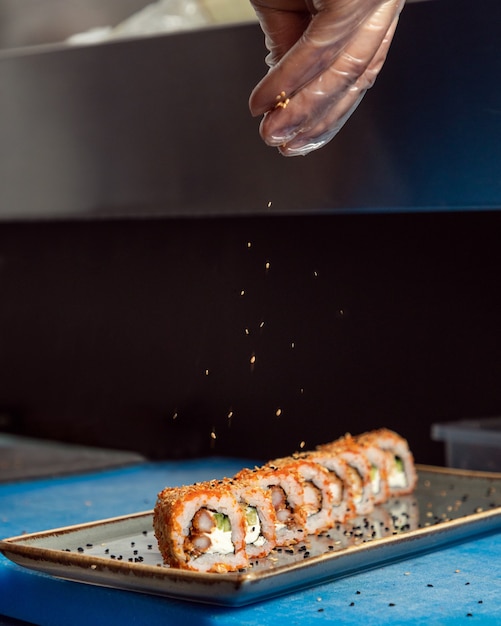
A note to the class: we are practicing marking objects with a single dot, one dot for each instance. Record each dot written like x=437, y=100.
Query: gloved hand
x=323, y=56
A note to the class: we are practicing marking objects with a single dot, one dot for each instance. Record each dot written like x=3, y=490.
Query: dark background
x=108, y=329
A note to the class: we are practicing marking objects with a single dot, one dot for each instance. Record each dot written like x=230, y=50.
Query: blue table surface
x=455, y=585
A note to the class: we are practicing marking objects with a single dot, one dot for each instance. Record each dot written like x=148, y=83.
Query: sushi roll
x=319, y=497
x=201, y=527
x=220, y=525
x=287, y=496
x=402, y=477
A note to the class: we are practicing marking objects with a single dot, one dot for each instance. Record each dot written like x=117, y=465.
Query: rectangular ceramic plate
x=447, y=506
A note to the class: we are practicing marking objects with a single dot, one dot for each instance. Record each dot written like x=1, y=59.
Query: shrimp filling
x=281, y=505
x=357, y=484
x=312, y=498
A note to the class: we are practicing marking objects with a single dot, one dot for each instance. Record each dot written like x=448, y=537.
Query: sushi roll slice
x=380, y=464
x=344, y=483
x=287, y=496
x=402, y=477
x=319, y=497
x=358, y=473
x=259, y=517
x=201, y=527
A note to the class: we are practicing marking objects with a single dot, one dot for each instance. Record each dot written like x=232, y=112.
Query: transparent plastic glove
x=324, y=55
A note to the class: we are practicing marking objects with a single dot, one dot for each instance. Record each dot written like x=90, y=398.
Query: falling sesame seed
x=249, y=244
x=242, y=292
x=230, y=415
x=261, y=324
x=302, y=444
x=267, y=265
x=253, y=359
x=175, y=415
x=278, y=412
x=269, y=204
x=246, y=331
x=206, y=372
x=213, y=434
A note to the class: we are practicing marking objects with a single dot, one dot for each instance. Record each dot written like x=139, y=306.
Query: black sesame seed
x=320, y=610
x=429, y=585
x=469, y=614
x=135, y=552
x=80, y=549
x=480, y=601
x=391, y=604
x=107, y=551
x=132, y=543
x=306, y=555
x=150, y=546
x=352, y=604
